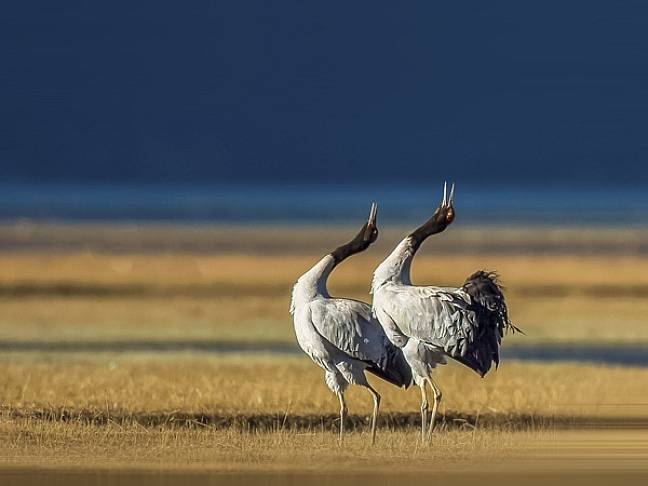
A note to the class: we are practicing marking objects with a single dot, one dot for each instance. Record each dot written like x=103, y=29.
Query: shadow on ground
x=277, y=422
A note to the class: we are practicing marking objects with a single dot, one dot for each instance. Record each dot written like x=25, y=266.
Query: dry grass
x=266, y=273
x=126, y=386
x=245, y=298
x=32, y=442
x=137, y=412
x=181, y=410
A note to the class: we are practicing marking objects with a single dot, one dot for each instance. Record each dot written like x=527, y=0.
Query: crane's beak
x=373, y=212
x=447, y=201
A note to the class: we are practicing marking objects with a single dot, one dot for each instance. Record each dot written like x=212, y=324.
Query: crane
x=341, y=335
x=431, y=324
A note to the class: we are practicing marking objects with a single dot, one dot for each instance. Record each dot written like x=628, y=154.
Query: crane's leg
x=424, y=410
x=343, y=413
x=374, y=417
x=437, y=399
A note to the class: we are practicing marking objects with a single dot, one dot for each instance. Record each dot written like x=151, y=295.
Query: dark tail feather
x=492, y=321
x=395, y=369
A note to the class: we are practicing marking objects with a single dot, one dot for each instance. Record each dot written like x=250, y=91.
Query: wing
x=447, y=319
x=350, y=326
x=431, y=314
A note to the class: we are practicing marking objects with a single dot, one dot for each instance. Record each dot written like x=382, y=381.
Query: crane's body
x=342, y=336
x=431, y=324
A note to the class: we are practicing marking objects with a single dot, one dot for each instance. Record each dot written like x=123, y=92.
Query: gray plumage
x=345, y=339
x=431, y=324
x=341, y=335
x=466, y=324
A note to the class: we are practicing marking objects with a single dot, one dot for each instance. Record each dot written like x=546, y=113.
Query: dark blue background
x=324, y=91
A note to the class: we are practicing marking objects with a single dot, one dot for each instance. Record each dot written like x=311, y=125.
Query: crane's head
x=445, y=213
x=367, y=235
x=369, y=231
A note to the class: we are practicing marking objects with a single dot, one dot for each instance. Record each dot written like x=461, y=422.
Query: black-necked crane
x=341, y=335
x=430, y=323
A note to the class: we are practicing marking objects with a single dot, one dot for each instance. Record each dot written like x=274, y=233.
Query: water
x=319, y=204
x=599, y=354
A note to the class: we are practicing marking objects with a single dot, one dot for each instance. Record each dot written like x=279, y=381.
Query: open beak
x=447, y=201
x=373, y=212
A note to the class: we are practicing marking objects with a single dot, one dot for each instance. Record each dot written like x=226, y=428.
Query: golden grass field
x=78, y=406
x=245, y=297
x=261, y=413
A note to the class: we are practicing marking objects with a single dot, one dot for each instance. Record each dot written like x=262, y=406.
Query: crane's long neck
x=313, y=283
x=436, y=224
x=397, y=266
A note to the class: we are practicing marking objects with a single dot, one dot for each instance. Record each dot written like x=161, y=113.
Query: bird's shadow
x=317, y=422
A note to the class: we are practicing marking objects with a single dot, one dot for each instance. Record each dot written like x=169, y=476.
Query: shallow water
x=599, y=354
x=321, y=204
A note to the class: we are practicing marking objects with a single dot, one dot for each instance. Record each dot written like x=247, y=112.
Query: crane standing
x=341, y=335
x=432, y=323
